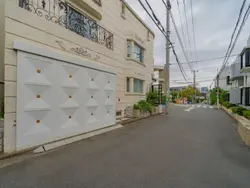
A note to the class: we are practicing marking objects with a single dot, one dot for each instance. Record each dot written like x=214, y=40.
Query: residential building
x=159, y=70
x=245, y=68
x=224, y=79
x=69, y=67
x=236, y=79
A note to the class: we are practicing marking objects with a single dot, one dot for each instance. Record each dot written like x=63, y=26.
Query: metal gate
x=59, y=99
x=158, y=89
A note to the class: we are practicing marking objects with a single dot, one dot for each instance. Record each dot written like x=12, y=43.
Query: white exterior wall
x=22, y=25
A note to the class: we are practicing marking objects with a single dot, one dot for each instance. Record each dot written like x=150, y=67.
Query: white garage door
x=57, y=99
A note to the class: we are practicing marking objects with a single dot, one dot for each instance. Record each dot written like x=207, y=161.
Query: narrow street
x=198, y=148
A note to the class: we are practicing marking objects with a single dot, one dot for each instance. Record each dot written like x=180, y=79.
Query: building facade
x=245, y=68
x=237, y=81
x=224, y=79
x=104, y=39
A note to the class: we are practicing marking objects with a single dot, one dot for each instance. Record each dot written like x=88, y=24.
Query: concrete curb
x=131, y=120
x=60, y=143
x=243, y=126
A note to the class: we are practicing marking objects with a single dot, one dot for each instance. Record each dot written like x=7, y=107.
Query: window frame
x=128, y=90
x=141, y=89
x=129, y=49
x=141, y=54
x=123, y=9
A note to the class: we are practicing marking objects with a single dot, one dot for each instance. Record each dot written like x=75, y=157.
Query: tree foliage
x=223, y=96
x=190, y=92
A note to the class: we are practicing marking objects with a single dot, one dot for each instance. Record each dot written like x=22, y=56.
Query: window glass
x=128, y=48
x=139, y=53
x=123, y=9
x=138, y=86
x=128, y=84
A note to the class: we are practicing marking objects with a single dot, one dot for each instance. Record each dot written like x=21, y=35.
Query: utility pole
x=166, y=68
x=218, y=90
x=194, y=87
x=194, y=97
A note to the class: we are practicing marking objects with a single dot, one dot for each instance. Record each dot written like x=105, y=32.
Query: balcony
x=245, y=59
x=98, y=2
x=60, y=12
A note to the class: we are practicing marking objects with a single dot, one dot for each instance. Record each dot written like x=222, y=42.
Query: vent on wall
x=118, y=113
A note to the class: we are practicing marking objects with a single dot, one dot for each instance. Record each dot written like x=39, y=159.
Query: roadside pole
x=218, y=91
x=166, y=67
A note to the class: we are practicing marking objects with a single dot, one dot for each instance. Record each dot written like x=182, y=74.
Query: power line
x=194, y=38
x=188, y=36
x=161, y=28
x=182, y=28
x=212, y=67
x=203, y=60
x=235, y=28
x=229, y=51
x=231, y=46
x=178, y=36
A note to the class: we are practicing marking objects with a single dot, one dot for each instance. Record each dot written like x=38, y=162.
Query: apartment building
x=224, y=79
x=245, y=68
x=69, y=67
x=236, y=79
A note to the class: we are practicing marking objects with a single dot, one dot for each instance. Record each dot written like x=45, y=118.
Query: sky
x=214, y=21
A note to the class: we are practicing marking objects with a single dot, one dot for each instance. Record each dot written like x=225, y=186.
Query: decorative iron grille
x=99, y=2
x=158, y=89
x=60, y=12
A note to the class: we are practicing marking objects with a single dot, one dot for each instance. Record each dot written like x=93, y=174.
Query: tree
x=174, y=95
x=189, y=92
x=223, y=96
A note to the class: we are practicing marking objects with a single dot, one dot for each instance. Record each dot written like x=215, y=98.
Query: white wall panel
x=57, y=99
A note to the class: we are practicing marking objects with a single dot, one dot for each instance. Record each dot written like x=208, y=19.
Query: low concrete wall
x=243, y=126
x=1, y=136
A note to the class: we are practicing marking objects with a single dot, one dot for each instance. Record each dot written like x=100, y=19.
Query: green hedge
x=238, y=110
x=246, y=114
x=228, y=105
x=143, y=106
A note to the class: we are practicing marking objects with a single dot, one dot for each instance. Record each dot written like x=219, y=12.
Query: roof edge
x=138, y=17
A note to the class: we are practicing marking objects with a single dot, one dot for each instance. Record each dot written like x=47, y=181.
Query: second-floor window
x=139, y=53
x=129, y=45
x=245, y=59
x=123, y=9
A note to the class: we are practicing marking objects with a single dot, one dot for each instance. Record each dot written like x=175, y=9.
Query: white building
x=236, y=78
x=69, y=66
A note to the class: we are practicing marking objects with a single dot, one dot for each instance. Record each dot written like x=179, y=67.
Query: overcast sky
x=214, y=21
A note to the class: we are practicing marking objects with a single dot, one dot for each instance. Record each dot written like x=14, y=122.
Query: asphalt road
x=199, y=148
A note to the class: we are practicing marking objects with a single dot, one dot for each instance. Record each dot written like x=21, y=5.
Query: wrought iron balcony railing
x=99, y=2
x=60, y=12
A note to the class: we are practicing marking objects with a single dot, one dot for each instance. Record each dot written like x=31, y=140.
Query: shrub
x=152, y=98
x=164, y=99
x=238, y=110
x=228, y=104
x=136, y=107
x=246, y=114
x=145, y=106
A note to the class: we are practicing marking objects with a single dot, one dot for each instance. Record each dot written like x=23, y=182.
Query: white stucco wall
x=23, y=25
